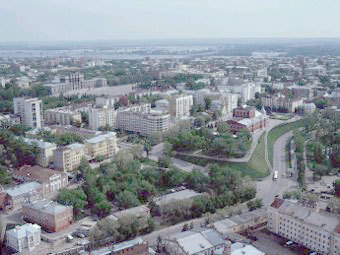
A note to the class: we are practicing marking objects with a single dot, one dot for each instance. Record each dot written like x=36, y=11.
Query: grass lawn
x=256, y=167
x=279, y=131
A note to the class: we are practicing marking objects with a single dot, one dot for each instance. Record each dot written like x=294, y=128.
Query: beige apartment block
x=45, y=156
x=62, y=116
x=102, y=145
x=68, y=158
x=102, y=116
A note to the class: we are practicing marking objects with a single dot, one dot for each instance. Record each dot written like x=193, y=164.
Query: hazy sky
x=47, y=20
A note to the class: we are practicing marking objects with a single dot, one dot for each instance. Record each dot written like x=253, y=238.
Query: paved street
x=267, y=189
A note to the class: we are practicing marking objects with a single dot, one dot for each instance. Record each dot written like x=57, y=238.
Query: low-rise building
x=244, y=249
x=82, y=132
x=142, y=213
x=260, y=121
x=104, y=145
x=309, y=108
x=45, y=156
x=196, y=242
x=52, y=216
x=13, y=198
x=305, y=225
x=244, y=112
x=68, y=158
x=186, y=194
x=62, y=116
x=23, y=238
x=51, y=180
x=133, y=247
x=248, y=221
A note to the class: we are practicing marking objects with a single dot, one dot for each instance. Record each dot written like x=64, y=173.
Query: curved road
x=267, y=189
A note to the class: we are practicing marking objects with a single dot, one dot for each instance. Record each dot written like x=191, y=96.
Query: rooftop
x=244, y=249
x=41, y=144
x=22, y=231
x=198, y=240
x=22, y=188
x=179, y=195
x=36, y=173
x=117, y=247
x=101, y=138
x=51, y=207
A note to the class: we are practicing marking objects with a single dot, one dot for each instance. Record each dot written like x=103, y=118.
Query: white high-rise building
x=230, y=101
x=180, y=106
x=29, y=110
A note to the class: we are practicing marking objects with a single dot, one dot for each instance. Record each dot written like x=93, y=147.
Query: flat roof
x=22, y=188
x=49, y=206
x=22, y=231
x=179, y=195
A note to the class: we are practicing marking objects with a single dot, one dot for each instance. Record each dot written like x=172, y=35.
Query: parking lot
x=271, y=245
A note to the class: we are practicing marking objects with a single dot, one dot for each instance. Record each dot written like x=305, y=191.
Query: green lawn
x=279, y=131
x=255, y=168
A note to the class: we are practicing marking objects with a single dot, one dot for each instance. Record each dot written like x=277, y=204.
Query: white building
x=45, y=156
x=23, y=238
x=309, y=108
x=230, y=101
x=199, y=96
x=280, y=102
x=316, y=230
x=101, y=146
x=102, y=116
x=180, y=106
x=29, y=110
x=68, y=158
x=245, y=91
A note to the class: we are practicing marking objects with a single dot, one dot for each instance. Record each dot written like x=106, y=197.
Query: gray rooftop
x=101, y=138
x=180, y=195
x=22, y=188
x=117, y=247
x=51, y=207
x=39, y=143
x=22, y=231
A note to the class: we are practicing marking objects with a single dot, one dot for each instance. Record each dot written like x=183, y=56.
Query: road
x=267, y=189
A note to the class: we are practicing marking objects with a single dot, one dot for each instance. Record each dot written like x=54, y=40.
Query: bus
x=275, y=175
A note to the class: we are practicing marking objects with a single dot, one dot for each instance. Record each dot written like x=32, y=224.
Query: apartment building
x=23, y=238
x=245, y=91
x=280, y=102
x=82, y=132
x=45, y=156
x=302, y=92
x=51, y=215
x=14, y=197
x=144, y=124
x=51, y=180
x=230, y=101
x=306, y=225
x=101, y=117
x=180, y=106
x=68, y=158
x=101, y=146
x=62, y=116
x=29, y=110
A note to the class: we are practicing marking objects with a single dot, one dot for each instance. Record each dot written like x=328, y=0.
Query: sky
x=76, y=20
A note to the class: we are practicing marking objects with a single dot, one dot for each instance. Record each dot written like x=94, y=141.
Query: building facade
x=50, y=180
x=180, y=106
x=101, y=117
x=62, y=116
x=30, y=111
x=244, y=112
x=23, y=238
x=68, y=158
x=279, y=102
x=305, y=225
x=104, y=145
x=50, y=215
x=45, y=156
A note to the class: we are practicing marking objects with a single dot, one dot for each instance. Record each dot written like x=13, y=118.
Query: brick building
x=50, y=215
x=244, y=112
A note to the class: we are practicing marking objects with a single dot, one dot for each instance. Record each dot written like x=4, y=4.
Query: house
x=23, y=238
x=51, y=215
x=51, y=180
x=196, y=242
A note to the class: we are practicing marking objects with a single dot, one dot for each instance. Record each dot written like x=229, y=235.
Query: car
x=288, y=243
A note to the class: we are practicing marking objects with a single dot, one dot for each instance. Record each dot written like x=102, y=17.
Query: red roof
x=277, y=203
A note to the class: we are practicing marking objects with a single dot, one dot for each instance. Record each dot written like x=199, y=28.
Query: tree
x=208, y=102
x=5, y=176
x=127, y=199
x=147, y=148
x=77, y=198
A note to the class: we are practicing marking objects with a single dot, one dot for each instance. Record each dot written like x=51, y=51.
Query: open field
x=256, y=167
